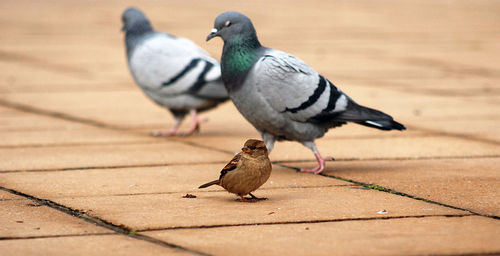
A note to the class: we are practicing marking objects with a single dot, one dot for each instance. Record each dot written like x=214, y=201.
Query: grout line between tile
x=52, y=236
x=303, y=222
x=59, y=115
x=120, y=229
x=280, y=162
x=455, y=135
x=351, y=159
x=465, y=254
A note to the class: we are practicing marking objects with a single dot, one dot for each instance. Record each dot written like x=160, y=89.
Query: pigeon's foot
x=176, y=132
x=195, y=125
x=195, y=128
x=321, y=164
x=162, y=133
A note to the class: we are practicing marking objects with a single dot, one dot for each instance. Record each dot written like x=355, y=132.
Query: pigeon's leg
x=321, y=160
x=269, y=140
x=195, y=125
x=172, y=131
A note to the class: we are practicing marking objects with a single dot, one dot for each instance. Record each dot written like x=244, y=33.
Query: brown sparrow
x=246, y=172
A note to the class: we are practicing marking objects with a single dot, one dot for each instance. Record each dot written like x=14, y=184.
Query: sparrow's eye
x=228, y=23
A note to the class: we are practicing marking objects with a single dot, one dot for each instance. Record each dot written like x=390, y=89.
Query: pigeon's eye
x=228, y=23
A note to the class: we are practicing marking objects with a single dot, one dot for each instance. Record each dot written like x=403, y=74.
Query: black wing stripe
x=334, y=96
x=312, y=99
x=200, y=81
x=224, y=171
x=190, y=66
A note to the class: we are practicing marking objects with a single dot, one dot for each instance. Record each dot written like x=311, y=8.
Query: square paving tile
x=397, y=146
x=406, y=236
x=466, y=183
x=142, y=180
x=106, y=155
x=27, y=129
x=84, y=246
x=143, y=212
x=24, y=218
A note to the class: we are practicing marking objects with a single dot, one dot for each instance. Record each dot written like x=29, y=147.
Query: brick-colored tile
x=142, y=212
x=407, y=236
x=467, y=183
x=106, y=155
x=142, y=180
x=352, y=147
x=85, y=245
x=24, y=218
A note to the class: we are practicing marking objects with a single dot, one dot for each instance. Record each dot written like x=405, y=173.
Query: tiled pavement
x=79, y=174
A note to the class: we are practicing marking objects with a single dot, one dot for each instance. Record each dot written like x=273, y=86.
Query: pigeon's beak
x=212, y=34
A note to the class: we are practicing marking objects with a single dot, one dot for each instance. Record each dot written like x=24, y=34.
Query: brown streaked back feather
x=230, y=166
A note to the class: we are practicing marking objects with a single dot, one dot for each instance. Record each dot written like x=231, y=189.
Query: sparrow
x=246, y=172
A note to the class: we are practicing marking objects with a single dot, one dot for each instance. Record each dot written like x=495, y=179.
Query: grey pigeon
x=280, y=95
x=173, y=72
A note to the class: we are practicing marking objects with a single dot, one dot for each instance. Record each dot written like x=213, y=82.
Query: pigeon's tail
x=369, y=117
x=383, y=125
x=215, y=182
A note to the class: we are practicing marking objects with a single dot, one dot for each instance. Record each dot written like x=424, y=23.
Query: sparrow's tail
x=215, y=182
x=369, y=117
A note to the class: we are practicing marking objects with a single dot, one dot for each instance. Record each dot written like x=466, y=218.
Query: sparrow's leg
x=251, y=199
x=170, y=132
x=242, y=199
x=321, y=160
x=269, y=140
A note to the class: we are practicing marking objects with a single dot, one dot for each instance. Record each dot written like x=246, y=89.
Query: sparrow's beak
x=246, y=150
x=212, y=34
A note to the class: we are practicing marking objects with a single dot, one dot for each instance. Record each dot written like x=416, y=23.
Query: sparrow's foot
x=251, y=199
x=256, y=198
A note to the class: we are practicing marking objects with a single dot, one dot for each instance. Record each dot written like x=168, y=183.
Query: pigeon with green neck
x=280, y=95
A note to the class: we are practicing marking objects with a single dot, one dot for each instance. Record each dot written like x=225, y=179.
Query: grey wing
x=171, y=66
x=293, y=88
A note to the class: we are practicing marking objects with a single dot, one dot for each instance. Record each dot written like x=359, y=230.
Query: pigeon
x=246, y=172
x=280, y=95
x=172, y=71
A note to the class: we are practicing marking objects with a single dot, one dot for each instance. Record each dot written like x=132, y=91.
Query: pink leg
x=321, y=160
x=321, y=164
x=170, y=132
x=195, y=125
x=174, y=131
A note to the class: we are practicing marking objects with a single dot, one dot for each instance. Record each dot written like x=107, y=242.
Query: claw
x=321, y=164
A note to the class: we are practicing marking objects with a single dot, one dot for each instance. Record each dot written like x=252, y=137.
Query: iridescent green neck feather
x=238, y=56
